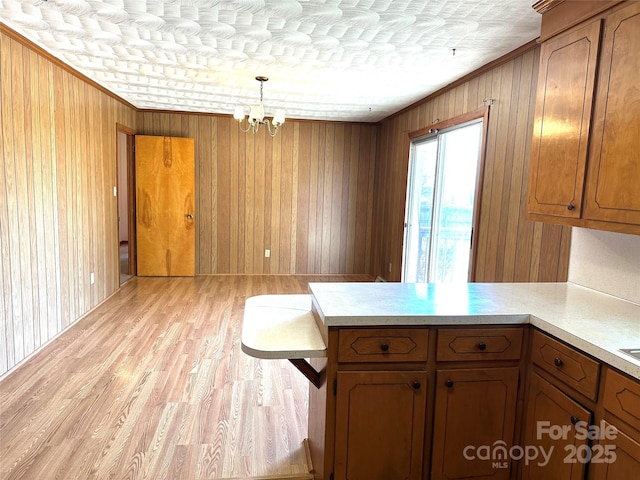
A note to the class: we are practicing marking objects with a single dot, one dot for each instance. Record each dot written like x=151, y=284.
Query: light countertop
x=281, y=326
x=596, y=323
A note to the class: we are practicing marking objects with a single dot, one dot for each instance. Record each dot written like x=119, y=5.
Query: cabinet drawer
x=479, y=344
x=382, y=345
x=622, y=398
x=572, y=367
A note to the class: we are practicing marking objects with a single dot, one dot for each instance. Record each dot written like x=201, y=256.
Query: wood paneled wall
x=323, y=197
x=58, y=215
x=306, y=194
x=510, y=248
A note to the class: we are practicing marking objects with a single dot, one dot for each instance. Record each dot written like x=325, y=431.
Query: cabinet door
x=561, y=127
x=616, y=458
x=550, y=430
x=613, y=188
x=474, y=408
x=380, y=425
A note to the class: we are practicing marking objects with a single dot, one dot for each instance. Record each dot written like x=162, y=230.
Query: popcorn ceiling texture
x=357, y=60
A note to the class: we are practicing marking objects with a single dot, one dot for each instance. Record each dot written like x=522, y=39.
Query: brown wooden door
x=616, y=458
x=548, y=411
x=561, y=126
x=380, y=425
x=613, y=188
x=165, y=212
x=474, y=408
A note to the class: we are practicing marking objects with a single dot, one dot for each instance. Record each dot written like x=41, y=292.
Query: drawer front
x=455, y=345
x=622, y=398
x=567, y=364
x=383, y=345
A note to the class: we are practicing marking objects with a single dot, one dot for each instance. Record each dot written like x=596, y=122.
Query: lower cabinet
x=381, y=417
x=617, y=453
x=616, y=458
x=475, y=411
x=448, y=404
x=550, y=434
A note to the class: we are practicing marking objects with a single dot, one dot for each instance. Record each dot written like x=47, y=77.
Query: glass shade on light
x=278, y=118
x=238, y=114
x=256, y=114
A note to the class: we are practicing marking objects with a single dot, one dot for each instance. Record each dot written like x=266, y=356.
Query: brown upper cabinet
x=585, y=156
x=563, y=112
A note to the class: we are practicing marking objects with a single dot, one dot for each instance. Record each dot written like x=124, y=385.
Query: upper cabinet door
x=561, y=128
x=613, y=188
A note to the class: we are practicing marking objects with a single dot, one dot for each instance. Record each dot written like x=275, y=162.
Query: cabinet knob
x=482, y=346
x=570, y=207
x=574, y=420
x=557, y=362
x=189, y=216
x=384, y=347
x=416, y=385
x=449, y=383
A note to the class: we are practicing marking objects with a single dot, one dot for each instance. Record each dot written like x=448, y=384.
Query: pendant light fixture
x=256, y=116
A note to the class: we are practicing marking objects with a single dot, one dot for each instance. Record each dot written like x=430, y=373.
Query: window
x=441, y=204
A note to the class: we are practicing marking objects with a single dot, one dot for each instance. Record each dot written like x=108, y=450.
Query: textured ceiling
x=351, y=60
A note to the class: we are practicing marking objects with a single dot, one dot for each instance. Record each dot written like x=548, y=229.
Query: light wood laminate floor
x=153, y=384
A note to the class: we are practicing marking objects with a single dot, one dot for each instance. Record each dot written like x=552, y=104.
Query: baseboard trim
x=302, y=476
x=42, y=347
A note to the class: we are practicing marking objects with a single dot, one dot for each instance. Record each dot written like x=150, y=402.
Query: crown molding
x=542, y=6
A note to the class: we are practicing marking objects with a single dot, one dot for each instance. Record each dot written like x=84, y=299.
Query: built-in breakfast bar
x=413, y=378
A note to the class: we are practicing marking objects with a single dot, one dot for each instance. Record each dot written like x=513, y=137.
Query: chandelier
x=256, y=116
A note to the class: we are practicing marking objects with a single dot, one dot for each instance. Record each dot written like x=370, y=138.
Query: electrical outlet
x=267, y=253
x=92, y=278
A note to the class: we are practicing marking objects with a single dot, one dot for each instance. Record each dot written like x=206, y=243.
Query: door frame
x=433, y=130
x=131, y=197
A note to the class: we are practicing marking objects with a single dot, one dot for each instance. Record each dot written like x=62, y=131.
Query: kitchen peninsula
x=410, y=374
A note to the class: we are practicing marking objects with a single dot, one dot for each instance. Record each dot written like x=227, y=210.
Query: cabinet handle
x=416, y=385
x=384, y=347
x=449, y=383
x=570, y=207
x=574, y=420
x=482, y=346
x=557, y=362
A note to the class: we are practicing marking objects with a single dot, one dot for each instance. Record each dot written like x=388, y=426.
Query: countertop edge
x=576, y=335
x=614, y=359
x=282, y=354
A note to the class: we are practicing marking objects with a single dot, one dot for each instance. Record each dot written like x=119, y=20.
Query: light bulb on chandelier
x=256, y=116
